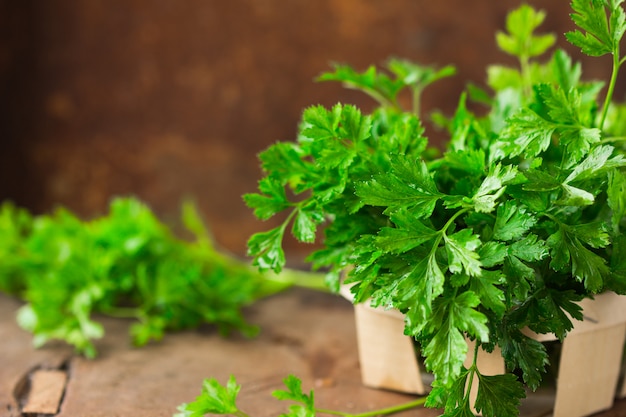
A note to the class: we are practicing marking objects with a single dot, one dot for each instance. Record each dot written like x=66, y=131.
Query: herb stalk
x=381, y=412
x=609, y=93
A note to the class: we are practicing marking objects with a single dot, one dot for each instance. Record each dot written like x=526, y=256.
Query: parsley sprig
x=604, y=23
x=126, y=264
x=516, y=221
x=315, y=177
x=216, y=398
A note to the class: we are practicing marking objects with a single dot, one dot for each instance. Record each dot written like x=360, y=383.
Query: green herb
x=335, y=150
x=218, y=399
x=516, y=221
x=125, y=264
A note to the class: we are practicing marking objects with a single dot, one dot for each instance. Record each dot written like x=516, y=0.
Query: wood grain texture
x=309, y=334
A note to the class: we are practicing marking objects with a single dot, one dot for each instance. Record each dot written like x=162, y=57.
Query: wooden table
x=308, y=334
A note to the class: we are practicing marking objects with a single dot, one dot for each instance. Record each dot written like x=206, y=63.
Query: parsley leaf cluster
x=127, y=264
x=519, y=218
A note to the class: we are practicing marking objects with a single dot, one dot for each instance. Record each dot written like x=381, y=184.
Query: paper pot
x=588, y=370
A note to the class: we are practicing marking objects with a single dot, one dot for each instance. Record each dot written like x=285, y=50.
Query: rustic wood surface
x=311, y=335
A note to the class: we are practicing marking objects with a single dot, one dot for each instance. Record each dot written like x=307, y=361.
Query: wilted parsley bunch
x=521, y=217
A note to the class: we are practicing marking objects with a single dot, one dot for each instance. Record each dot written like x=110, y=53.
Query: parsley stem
x=609, y=93
x=382, y=100
x=288, y=277
x=381, y=412
x=526, y=76
x=442, y=233
x=472, y=372
x=613, y=139
x=417, y=92
x=451, y=220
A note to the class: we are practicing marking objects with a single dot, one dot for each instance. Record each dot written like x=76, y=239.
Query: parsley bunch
x=125, y=264
x=515, y=222
x=336, y=150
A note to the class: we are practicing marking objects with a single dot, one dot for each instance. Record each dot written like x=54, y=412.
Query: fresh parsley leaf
x=446, y=350
x=549, y=310
x=273, y=201
x=379, y=86
x=408, y=185
x=267, y=248
x=214, y=399
x=492, y=187
x=306, y=406
x=470, y=160
x=617, y=198
x=526, y=134
x=451, y=397
x=604, y=24
x=462, y=256
x=512, y=221
x=305, y=224
x=488, y=289
x=418, y=76
x=415, y=292
x=602, y=33
x=566, y=73
x=598, y=162
x=567, y=247
x=408, y=233
x=521, y=41
x=498, y=395
x=522, y=352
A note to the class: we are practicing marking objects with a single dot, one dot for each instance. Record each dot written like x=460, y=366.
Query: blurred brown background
x=167, y=99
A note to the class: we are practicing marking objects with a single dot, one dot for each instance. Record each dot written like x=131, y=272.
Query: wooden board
x=46, y=391
x=309, y=334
